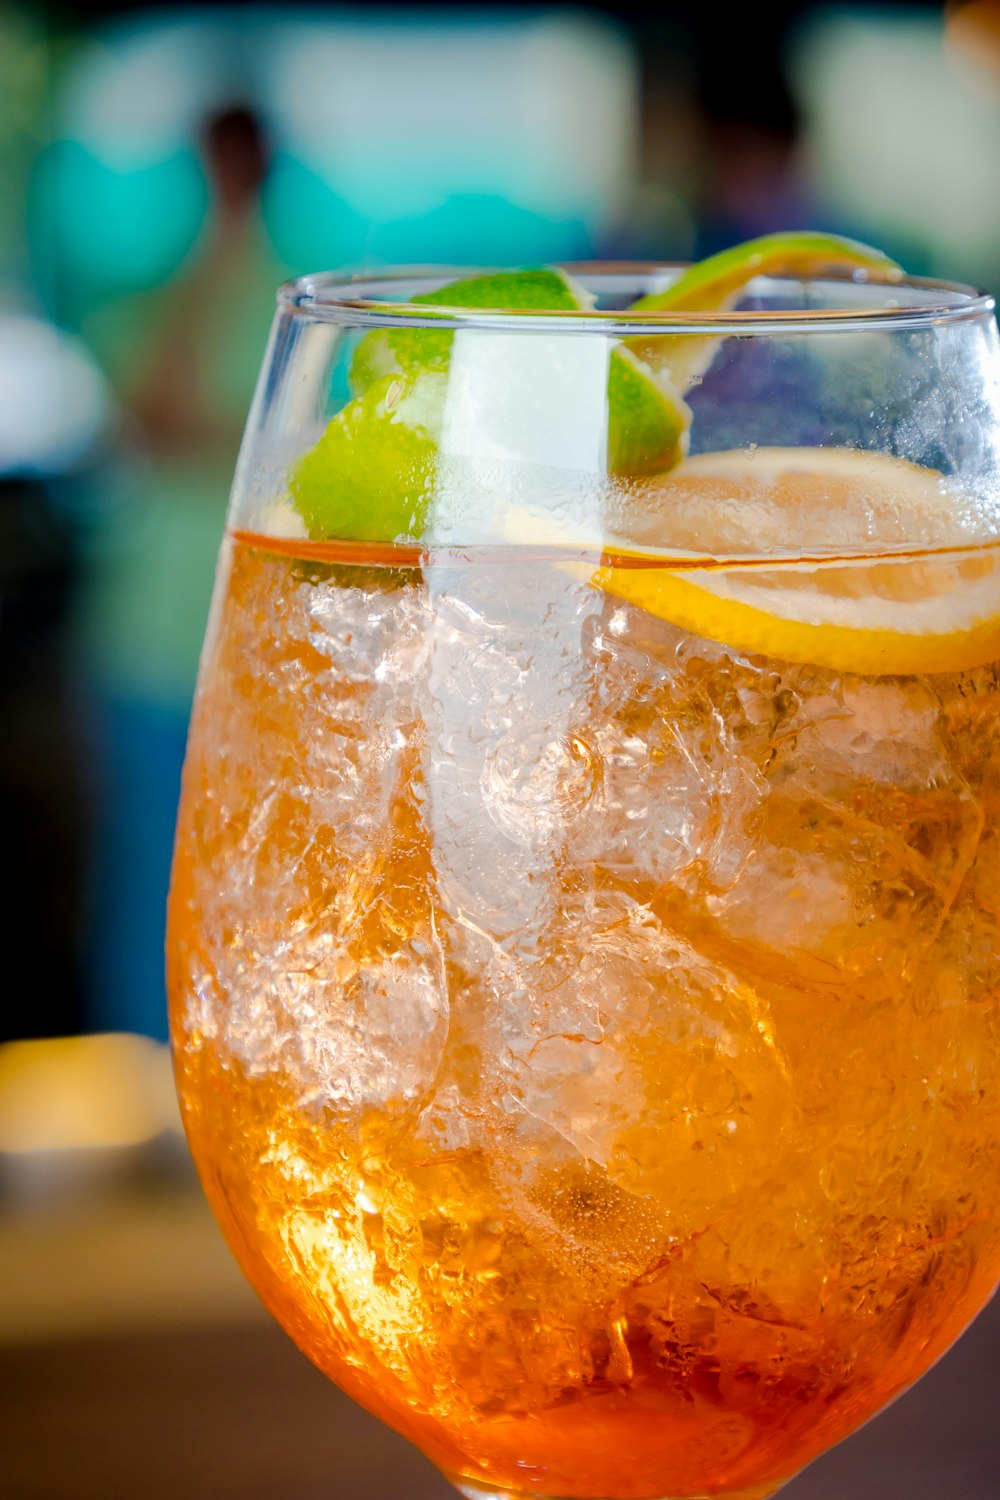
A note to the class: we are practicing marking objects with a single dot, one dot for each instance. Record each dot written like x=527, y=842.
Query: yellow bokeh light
x=73, y=1093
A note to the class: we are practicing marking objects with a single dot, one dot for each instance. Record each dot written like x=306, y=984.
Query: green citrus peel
x=388, y=351
x=708, y=285
x=714, y=284
x=373, y=474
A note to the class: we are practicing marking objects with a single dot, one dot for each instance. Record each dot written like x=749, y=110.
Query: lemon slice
x=904, y=595
x=938, y=614
x=802, y=502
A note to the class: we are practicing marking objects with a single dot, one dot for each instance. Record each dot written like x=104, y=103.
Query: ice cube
x=622, y=1045
x=505, y=776
x=678, y=790
x=525, y=423
x=865, y=833
x=324, y=961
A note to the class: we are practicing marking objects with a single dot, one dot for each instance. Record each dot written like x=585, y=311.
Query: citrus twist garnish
x=707, y=285
x=934, y=606
x=715, y=284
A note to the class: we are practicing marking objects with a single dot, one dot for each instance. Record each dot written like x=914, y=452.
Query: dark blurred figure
x=41, y=767
x=742, y=176
x=185, y=398
x=53, y=453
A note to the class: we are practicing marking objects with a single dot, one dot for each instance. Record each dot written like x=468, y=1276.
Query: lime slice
x=372, y=475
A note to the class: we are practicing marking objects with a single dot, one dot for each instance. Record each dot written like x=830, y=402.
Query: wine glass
x=583, y=947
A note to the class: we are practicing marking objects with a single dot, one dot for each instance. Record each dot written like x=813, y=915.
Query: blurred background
x=161, y=169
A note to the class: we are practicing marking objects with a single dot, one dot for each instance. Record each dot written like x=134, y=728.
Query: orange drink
x=584, y=963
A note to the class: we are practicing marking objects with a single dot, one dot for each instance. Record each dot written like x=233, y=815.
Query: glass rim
x=347, y=298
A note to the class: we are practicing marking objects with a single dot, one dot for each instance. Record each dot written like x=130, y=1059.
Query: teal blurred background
x=161, y=170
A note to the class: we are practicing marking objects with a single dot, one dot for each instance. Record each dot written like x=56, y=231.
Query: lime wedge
x=372, y=475
x=647, y=420
x=388, y=350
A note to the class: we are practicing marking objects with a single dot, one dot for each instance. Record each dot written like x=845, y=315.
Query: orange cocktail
x=584, y=969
